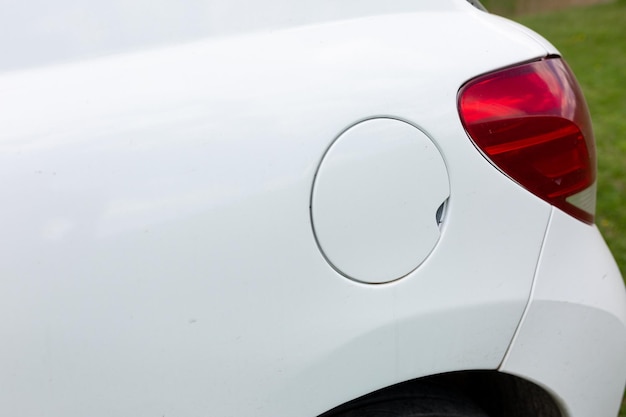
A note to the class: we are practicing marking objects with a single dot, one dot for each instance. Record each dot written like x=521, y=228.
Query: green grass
x=593, y=41
x=503, y=7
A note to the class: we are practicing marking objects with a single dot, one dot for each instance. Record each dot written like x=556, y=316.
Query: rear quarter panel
x=157, y=251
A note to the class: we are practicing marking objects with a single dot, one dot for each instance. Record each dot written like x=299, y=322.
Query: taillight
x=531, y=121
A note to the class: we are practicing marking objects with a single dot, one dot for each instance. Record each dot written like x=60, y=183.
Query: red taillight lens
x=532, y=122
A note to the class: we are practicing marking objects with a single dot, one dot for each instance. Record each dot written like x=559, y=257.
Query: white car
x=298, y=209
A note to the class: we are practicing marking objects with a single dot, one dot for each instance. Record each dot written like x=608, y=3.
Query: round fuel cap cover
x=377, y=199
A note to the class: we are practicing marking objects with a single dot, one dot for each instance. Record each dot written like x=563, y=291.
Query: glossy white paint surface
x=158, y=256
x=375, y=200
x=38, y=32
x=573, y=337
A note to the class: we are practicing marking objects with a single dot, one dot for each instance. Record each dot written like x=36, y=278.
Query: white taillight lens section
x=532, y=122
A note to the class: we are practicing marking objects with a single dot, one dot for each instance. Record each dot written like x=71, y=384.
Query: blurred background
x=591, y=35
x=518, y=7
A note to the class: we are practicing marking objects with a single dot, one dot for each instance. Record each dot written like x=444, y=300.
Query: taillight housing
x=531, y=121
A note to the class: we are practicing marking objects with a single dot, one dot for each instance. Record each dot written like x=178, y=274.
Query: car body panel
x=161, y=258
x=37, y=33
x=572, y=339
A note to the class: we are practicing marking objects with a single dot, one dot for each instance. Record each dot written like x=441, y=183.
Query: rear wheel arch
x=457, y=394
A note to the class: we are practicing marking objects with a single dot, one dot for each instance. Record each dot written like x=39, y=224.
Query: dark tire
x=426, y=401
